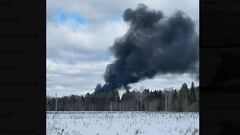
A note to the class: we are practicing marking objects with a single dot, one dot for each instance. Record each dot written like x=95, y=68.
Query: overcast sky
x=79, y=34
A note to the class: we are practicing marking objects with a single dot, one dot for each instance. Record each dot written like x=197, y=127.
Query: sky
x=79, y=34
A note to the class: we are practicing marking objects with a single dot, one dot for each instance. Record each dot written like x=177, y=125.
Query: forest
x=185, y=99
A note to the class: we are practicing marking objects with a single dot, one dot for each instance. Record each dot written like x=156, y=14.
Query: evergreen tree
x=186, y=99
x=183, y=97
x=174, y=100
x=192, y=93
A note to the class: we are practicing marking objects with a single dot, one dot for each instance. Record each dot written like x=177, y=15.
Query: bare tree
x=140, y=97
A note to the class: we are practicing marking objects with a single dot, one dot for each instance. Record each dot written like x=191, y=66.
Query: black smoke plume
x=153, y=45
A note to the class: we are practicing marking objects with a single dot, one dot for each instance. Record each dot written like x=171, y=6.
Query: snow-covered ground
x=122, y=123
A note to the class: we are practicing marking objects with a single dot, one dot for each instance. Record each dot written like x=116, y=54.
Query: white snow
x=122, y=123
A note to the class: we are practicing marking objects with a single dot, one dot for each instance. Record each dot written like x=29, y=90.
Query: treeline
x=185, y=99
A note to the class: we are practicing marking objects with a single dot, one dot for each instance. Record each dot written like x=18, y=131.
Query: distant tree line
x=183, y=100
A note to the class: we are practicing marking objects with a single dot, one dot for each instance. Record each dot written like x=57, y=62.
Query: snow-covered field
x=122, y=123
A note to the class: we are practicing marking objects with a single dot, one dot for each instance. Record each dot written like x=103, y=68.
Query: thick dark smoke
x=153, y=45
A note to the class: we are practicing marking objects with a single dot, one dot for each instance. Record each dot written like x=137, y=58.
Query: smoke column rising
x=153, y=45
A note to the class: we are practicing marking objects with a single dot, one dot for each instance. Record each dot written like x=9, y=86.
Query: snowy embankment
x=122, y=123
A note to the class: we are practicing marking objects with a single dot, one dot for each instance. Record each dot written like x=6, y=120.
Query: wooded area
x=183, y=100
